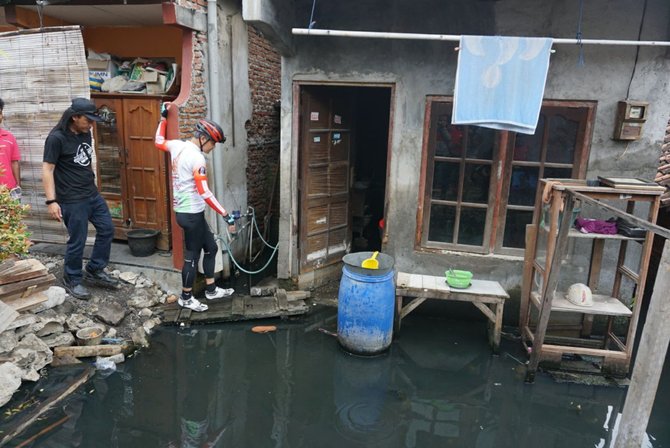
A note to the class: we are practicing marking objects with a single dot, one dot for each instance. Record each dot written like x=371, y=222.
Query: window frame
x=502, y=163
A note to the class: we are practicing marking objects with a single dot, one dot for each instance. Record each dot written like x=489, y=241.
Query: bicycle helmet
x=210, y=129
x=580, y=295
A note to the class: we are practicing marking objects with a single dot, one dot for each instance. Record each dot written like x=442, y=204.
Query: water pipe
x=457, y=38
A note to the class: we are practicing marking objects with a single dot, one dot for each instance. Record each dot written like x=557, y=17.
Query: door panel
x=325, y=143
x=144, y=162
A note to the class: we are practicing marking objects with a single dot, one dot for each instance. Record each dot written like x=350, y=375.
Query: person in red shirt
x=10, y=170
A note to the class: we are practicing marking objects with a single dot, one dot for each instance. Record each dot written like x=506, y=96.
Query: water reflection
x=438, y=386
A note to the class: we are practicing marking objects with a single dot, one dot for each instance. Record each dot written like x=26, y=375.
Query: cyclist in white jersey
x=191, y=195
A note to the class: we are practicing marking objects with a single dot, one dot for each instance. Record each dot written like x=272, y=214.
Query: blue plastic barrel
x=365, y=311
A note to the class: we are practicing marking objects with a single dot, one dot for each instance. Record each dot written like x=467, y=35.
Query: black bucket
x=142, y=242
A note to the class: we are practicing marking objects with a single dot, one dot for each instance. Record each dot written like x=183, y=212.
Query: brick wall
x=263, y=128
x=196, y=105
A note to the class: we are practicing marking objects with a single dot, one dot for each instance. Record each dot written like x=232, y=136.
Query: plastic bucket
x=365, y=312
x=142, y=242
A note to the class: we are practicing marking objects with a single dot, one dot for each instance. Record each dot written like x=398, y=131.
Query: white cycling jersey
x=187, y=160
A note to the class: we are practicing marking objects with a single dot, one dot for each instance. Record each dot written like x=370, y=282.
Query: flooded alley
x=225, y=386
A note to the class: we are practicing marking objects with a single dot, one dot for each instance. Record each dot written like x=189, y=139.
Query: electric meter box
x=630, y=118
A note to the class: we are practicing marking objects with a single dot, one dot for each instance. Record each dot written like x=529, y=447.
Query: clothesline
x=457, y=38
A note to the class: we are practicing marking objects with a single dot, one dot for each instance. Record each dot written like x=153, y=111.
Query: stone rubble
x=26, y=346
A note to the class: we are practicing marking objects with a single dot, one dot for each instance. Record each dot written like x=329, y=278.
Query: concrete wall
x=420, y=68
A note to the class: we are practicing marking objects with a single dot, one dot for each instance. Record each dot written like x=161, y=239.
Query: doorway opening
x=343, y=156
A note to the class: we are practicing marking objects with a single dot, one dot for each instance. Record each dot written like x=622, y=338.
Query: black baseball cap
x=82, y=106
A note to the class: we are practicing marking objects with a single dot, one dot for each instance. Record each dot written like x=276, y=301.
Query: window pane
x=559, y=173
x=445, y=181
x=523, y=185
x=480, y=142
x=472, y=226
x=448, y=139
x=562, y=139
x=529, y=147
x=442, y=219
x=515, y=227
x=476, y=183
x=107, y=153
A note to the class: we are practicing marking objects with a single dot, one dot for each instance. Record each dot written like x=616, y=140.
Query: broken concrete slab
x=261, y=291
x=111, y=313
x=143, y=299
x=8, y=341
x=59, y=339
x=31, y=354
x=23, y=320
x=78, y=321
x=10, y=381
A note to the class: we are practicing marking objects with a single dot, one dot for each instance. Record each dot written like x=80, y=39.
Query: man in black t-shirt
x=72, y=196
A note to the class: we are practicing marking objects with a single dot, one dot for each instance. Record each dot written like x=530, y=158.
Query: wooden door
x=110, y=162
x=145, y=168
x=325, y=141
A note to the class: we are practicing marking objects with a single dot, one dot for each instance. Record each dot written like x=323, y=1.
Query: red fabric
x=9, y=152
x=587, y=225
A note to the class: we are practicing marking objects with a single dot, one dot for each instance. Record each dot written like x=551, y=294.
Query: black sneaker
x=101, y=278
x=77, y=291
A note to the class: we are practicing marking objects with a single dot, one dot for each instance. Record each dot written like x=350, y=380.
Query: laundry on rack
x=500, y=82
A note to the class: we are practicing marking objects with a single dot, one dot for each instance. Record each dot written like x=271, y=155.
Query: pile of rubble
x=36, y=332
x=663, y=173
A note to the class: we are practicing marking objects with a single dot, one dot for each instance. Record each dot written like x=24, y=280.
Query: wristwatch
x=49, y=201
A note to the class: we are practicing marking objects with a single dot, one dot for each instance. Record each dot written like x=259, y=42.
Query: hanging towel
x=500, y=82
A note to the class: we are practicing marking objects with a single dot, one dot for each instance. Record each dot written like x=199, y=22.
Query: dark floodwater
x=439, y=386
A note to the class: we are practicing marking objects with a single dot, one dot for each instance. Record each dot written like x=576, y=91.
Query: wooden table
x=488, y=296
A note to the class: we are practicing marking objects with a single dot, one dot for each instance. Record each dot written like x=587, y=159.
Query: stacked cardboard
x=149, y=76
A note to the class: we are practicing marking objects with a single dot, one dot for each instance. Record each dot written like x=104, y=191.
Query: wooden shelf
x=602, y=305
x=574, y=233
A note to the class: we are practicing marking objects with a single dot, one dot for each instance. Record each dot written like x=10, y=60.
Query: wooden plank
x=23, y=270
x=7, y=264
x=7, y=316
x=490, y=315
x=87, y=351
x=661, y=231
x=550, y=350
x=19, y=427
x=402, y=279
x=552, y=281
x=12, y=288
x=222, y=311
x=528, y=272
x=411, y=306
x=648, y=362
x=483, y=288
x=497, y=327
x=602, y=305
x=25, y=303
x=415, y=281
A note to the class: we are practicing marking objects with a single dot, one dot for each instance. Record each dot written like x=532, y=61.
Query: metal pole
x=457, y=38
